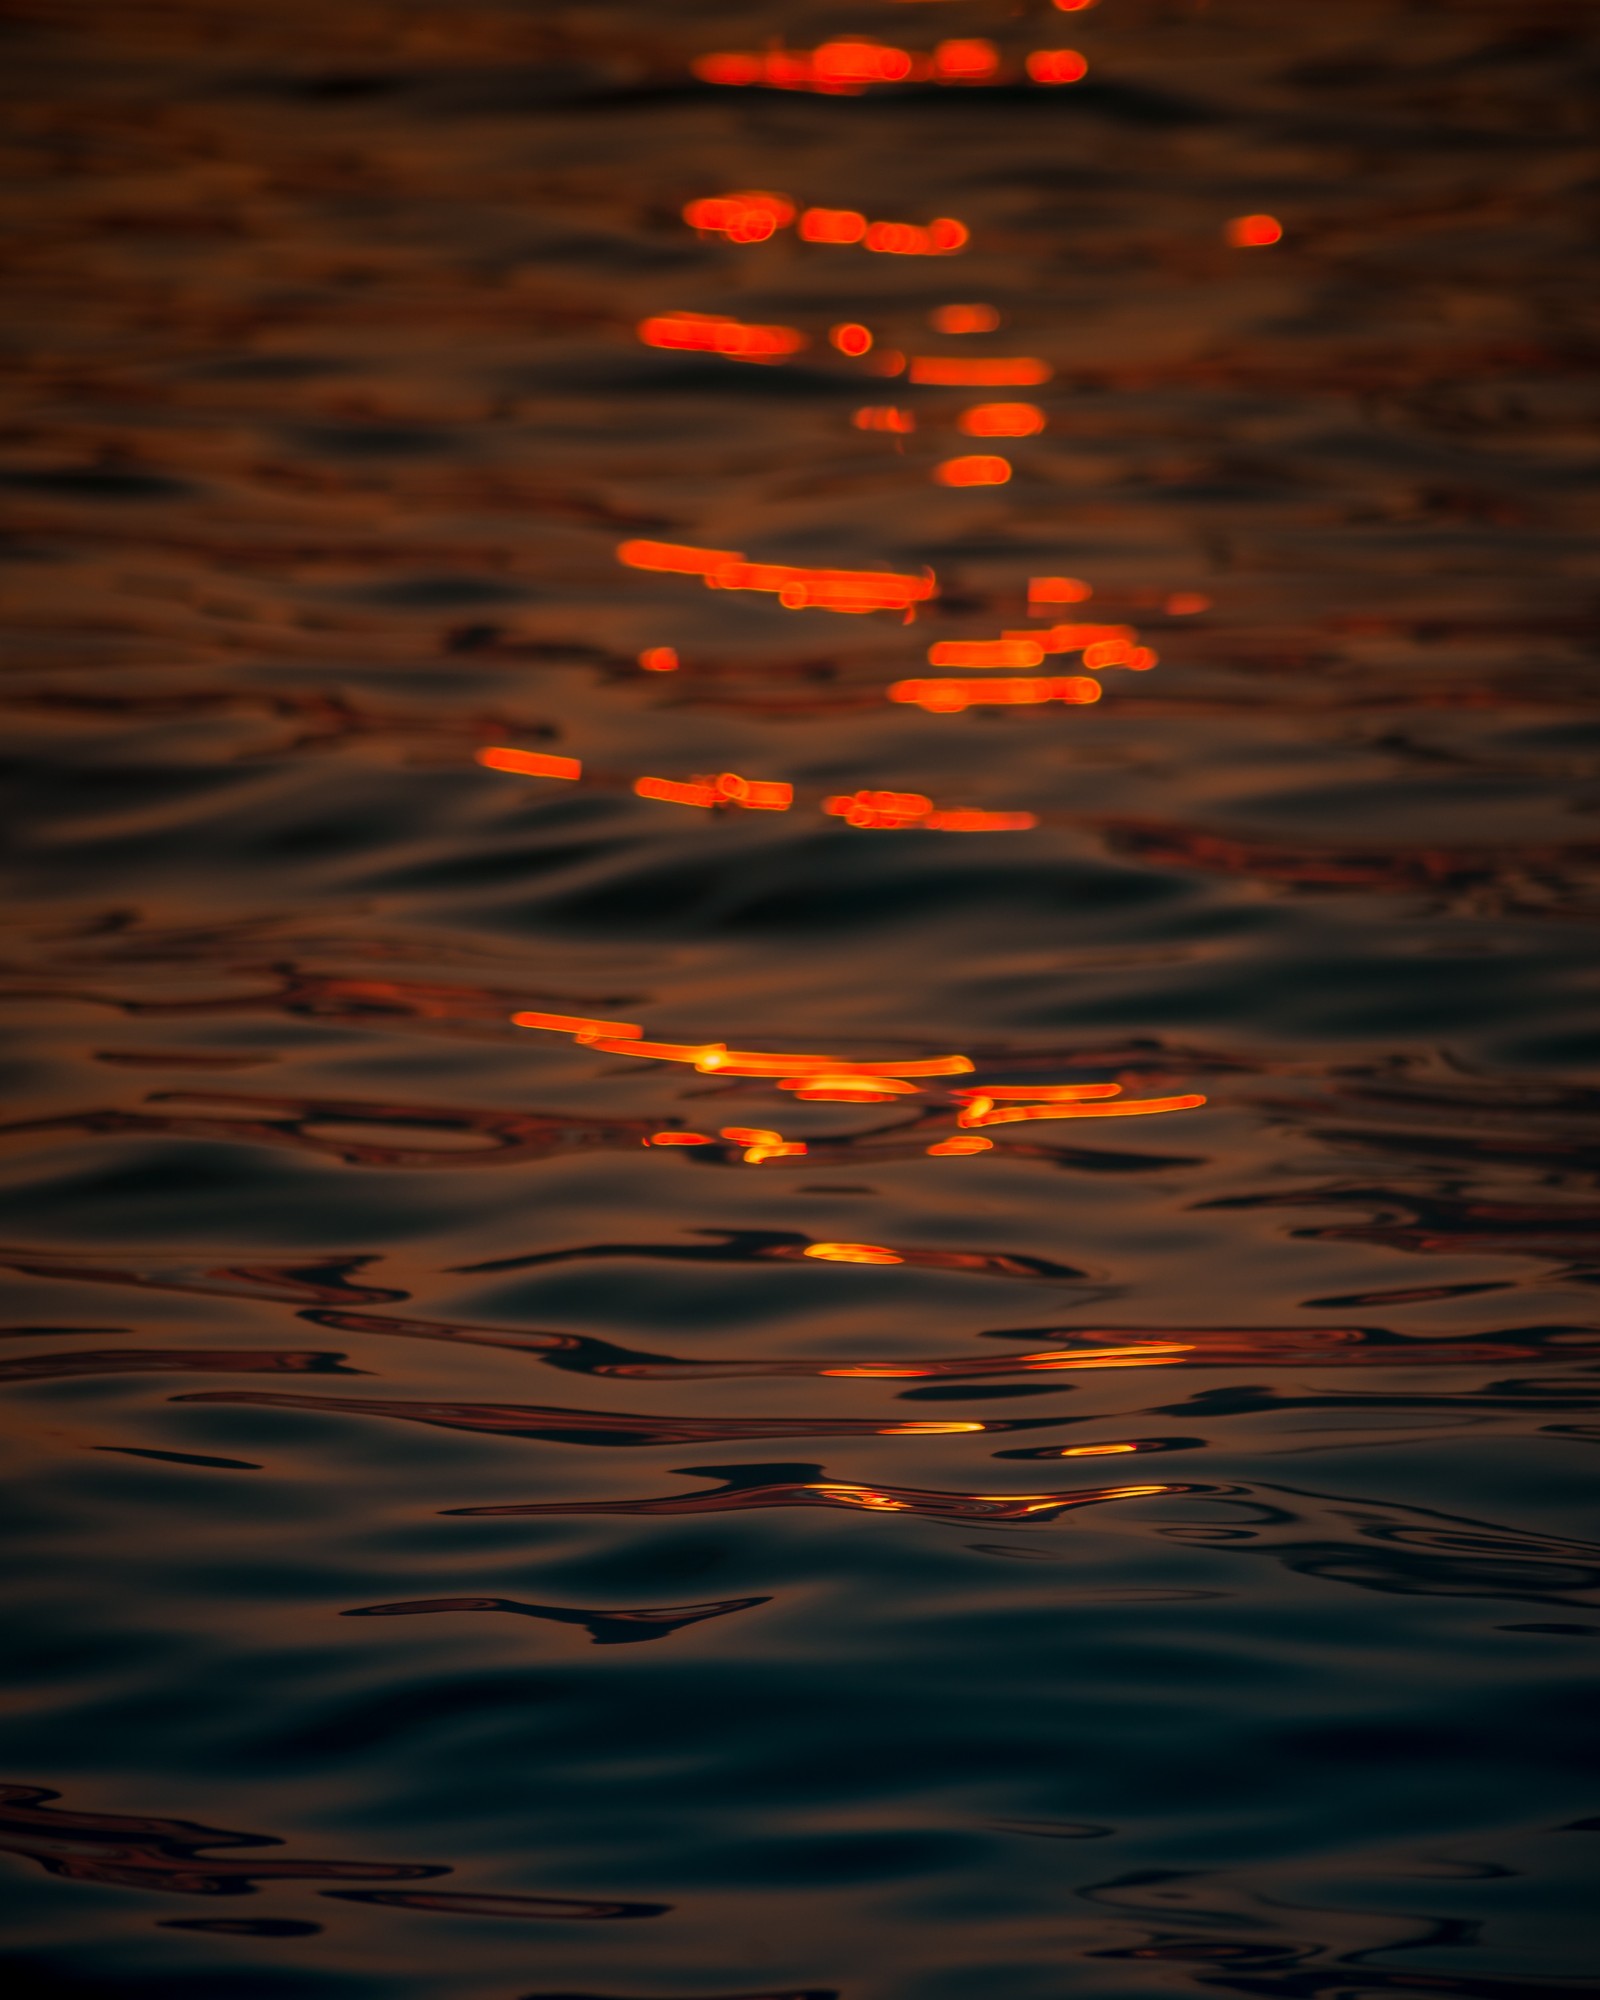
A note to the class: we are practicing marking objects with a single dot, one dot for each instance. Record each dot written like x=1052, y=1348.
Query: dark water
x=461, y=1553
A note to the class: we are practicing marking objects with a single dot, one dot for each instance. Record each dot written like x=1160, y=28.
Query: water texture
x=465, y=1550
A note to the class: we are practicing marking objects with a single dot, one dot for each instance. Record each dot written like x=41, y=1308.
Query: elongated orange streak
x=1042, y=1093
x=1056, y=66
x=1074, y=638
x=754, y=794
x=964, y=319
x=1186, y=603
x=853, y=1253
x=751, y=1062
x=747, y=217
x=798, y=588
x=832, y=225
x=977, y=469
x=675, y=558
x=846, y=1079
x=672, y=793
x=942, y=236
x=950, y=697
x=903, y=805
x=1136, y=1107
x=961, y=1143
x=529, y=763
x=684, y=1052
x=965, y=820
x=962, y=371
x=1016, y=649
x=1057, y=590
x=709, y=333
x=1254, y=232
x=1002, y=420
x=576, y=1024
x=681, y=1139
x=969, y=61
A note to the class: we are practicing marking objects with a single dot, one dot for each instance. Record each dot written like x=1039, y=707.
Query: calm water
x=464, y=1553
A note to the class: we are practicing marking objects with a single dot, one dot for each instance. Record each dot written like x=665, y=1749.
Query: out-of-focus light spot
x=1094, y=1450
x=754, y=794
x=577, y=1024
x=947, y=234
x=1253, y=232
x=1057, y=590
x=878, y=1088
x=963, y=319
x=750, y=216
x=728, y=68
x=860, y=61
x=851, y=338
x=529, y=763
x=1074, y=638
x=672, y=793
x=684, y=1052
x=659, y=660
x=720, y=1061
x=1041, y=1093
x=1008, y=652
x=1001, y=420
x=953, y=371
x=930, y=1429
x=853, y=1253
x=950, y=697
x=961, y=1142
x=981, y=1113
x=832, y=225
x=1056, y=66
x=1187, y=603
x=711, y=333
x=979, y=469
x=675, y=558
x=1106, y=653
x=884, y=417
x=680, y=1139
x=965, y=61
x=902, y=805
x=963, y=820
x=799, y=589
x=1140, y=660
x=1073, y=6
x=906, y=239
x=784, y=1149
x=752, y=1135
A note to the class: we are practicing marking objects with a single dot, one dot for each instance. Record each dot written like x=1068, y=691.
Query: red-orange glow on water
x=684, y=1052
x=1073, y=6
x=752, y=1135
x=884, y=417
x=850, y=590
x=680, y=1139
x=964, y=319
x=750, y=1062
x=529, y=763
x=965, y=61
x=1254, y=232
x=983, y=1112
x=1058, y=590
x=961, y=819
x=953, y=371
x=961, y=1143
x=943, y=236
x=576, y=1024
x=675, y=558
x=832, y=225
x=860, y=1496
x=670, y=792
x=851, y=338
x=711, y=333
x=1094, y=1450
x=950, y=697
x=853, y=1253
x=750, y=216
x=930, y=1429
x=659, y=660
x=1021, y=650
x=1056, y=66
x=1002, y=420
x=888, y=361
x=978, y=469
x=1078, y=638
x=860, y=61
x=900, y=805
x=1041, y=1093
x=754, y=794
x=843, y=65
x=846, y=1083
x=1187, y=603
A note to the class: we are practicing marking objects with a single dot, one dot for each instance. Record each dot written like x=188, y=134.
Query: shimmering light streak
x=750, y=216
x=853, y=1253
x=529, y=763
x=931, y=1429
x=884, y=417
x=966, y=61
x=843, y=65
x=680, y=1139
x=754, y=794
x=964, y=319
x=960, y=819
x=1073, y=6
x=1078, y=639
x=675, y=558
x=978, y=469
x=1019, y=650
x=851, y=338
x=961, y=1142
x=1056, y=66
x=832, y=225
x=670, y=792
x=1093, y=1450
x=576, y=1024
x=750, y=1062
x=901, y=805
x=1058, y=590
x=981, y=1112
x=942, y=237
x=1041, y=1093
x=1254, y=232
x=950, y=697
x=711, y=333
x=659, y=660
x=959, y=371
x=1002, y=420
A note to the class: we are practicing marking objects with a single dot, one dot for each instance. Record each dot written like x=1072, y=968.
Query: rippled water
x=465, y=1553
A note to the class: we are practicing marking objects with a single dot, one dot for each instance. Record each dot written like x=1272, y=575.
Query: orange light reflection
x=851, y=338
x=961, y=1143
x=996, y=420
x=978, y=1113
x=670, y=792
x=1058, y=590
x=1014, y=650
x=1056, y=66
x=978, y=469
x=680, y=1139
x=529, y=763
x=1253, y=232
x=950, y=697
x=711, y=333
x=852, y=1253
x=964, y=319
x=832, y=225
x=884, y=417
x=576, y=1024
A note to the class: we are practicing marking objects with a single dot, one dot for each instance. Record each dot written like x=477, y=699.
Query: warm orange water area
x=780, y=776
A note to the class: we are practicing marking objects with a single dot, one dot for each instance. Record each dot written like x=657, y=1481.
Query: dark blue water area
x=467, y=1544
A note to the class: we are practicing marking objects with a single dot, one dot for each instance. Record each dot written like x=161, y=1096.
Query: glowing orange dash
x=1057, y=590
x=851, y=337
x=797, y=589
x=860, y=61
x=710, y=333
x=1186, y=603
x=965, y=61
x=1042, y=1093
x=848, y=1080
x=748, y=217
x=1077, y=638
x=899, y=805
x=963, y=319
x=675, y=558
x=1002, y=420
x=752, y=1135
x=1015, y=650
x=1094, y=1450
x=684, y=1052
x=1136, y=1107
x=659, y=660
x=961, y=820
x=962, y=1143
x=884, y=417
x=680, y=1139
x=754, y=794
x=751, y=1062
x=950, y=697
x=529, y=763
x=979, y=469
x=575, y=1024
x=674, y=794
x=942, y=236
x=728, y=69
x=953, y=371
x=1073, y=6
x=1252, y=232
x=832, y=225
x=1056, y=66
x=853, y=1253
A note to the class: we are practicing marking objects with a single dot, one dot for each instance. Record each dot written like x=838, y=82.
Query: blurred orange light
x=963, y=1143
x=676, y=558
x=680, y=1139
x=748, y=217
x=846, y=1081
x=1050, y=1093
x=980, y=469
x=751, y=1062
x=965, y=60
x=905, y=805
x=1141, y=659
x=851, y=338
x=1129, y=1107
x=1073, y=6
x=994, y=372
x=1074, y=638
x=1057, y=590
x=1106, y=653
x=884, y=417
x=752, y=1135
x=997, y=420
x=755, y=795
x=832, y=225
x=711, y=333
x=964, y=319
x=860, y=61
x=728, y=69
x=671, y=793
x=576, y=1024
x=950, y=697
x=659, y=660
x=529, y=763
x=1186, y=603
x=853, y=1253
x=964, y=821
x=1251, y=232
x=1008, y=652
x=1056, y=66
